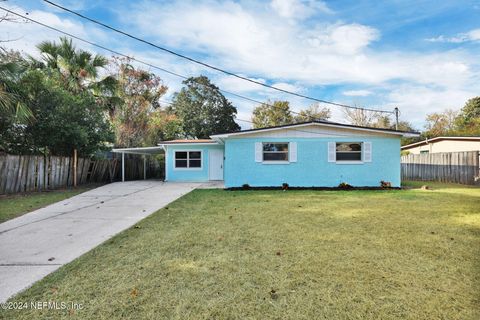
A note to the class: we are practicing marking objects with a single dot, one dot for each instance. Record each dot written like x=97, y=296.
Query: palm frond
x=23, y=114
x=99, y=61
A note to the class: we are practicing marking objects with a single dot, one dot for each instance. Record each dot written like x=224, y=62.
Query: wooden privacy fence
x=456, y=167
x=27, y=173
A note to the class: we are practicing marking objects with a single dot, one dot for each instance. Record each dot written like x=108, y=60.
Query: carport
x=145, y=151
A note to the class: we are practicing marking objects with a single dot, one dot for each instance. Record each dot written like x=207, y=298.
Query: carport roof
x=161, y=146
x=187, y=141
x=141, y=150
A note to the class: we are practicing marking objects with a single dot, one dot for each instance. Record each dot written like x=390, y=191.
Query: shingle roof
x=327, y=123
x=437, y=139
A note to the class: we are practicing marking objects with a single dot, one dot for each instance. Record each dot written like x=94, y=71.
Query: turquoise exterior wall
x=193, y=174
x=312, y=167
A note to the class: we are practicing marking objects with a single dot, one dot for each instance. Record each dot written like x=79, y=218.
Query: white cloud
x=288, y=87
x=297, y=56
x=297, y=9
x=253, y=42
x=29, y=34
x=415, y=102
x=345, y=39
x=357, y=93
x=231, y=83
x=471, y=36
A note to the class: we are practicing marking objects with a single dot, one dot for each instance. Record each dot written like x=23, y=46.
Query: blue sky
x=421, y=56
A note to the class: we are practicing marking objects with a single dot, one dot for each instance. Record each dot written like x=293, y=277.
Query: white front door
x=215, y=164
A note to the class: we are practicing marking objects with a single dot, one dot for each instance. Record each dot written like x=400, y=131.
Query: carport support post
x=123, y=166
x=144, y=167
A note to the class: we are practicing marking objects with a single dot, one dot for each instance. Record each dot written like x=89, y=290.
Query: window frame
x=188, y=168
x=276, y=161
x=350, y=161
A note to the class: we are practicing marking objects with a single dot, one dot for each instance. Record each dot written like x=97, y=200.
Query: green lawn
x=17, y=205
x=213, y=254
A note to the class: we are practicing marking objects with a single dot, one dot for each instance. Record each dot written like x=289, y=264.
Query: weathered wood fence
x=27, y=173
x=456, y=167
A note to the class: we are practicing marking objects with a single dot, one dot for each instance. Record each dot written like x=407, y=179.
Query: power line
x=209, y=65
x=162, y=69
x=138, y=60
x=294, y=129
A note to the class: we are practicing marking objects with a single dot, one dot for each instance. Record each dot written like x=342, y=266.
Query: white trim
x=349, y=162
x=276, y=162
x=215, y=143
x=226, y=135
x=188, y=169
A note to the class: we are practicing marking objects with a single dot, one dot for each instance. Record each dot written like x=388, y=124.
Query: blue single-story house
x=311, y=154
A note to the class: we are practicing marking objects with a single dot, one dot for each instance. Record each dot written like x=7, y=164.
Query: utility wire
x=137, y=60
x=209, y=65
x=294, y=129
x=162, y=69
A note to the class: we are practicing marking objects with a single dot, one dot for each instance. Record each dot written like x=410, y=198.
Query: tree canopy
x=312, y=113
x=62, y=121
x=56, y=97
x=468, y=120
x=137, y=117
x=272, y=114
x=79, y=68
x=202, y=109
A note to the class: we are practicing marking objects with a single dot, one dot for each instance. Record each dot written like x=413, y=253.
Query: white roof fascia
x=226, y=135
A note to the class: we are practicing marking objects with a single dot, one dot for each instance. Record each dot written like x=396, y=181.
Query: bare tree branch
x=7, y=17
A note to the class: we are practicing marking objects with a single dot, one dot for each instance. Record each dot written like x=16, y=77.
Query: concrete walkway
x=38, y=243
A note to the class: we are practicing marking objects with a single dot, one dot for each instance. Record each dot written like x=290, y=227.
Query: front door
x=215, y=164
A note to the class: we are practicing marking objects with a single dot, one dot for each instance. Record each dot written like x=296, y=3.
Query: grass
x=212, y=254
x=13, y=206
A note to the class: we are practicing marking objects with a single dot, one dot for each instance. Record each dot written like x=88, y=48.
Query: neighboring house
x=312, y=154
x=444, y=144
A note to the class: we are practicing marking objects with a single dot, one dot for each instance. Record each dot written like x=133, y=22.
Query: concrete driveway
x=38, y=243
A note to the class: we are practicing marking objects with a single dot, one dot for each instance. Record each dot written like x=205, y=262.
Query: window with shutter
x=348, y=151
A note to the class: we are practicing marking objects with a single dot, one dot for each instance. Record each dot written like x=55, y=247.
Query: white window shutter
x=258, y=152
x=293, y=152
x=332, y=152
x=367, y=152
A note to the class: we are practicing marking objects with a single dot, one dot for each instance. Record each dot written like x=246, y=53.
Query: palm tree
x=12, y=67
x=79, y=68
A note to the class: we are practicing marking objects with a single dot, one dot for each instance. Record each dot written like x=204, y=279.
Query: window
x=188, y=159
x=423, y=151
x=349, y=151
x=275, y=151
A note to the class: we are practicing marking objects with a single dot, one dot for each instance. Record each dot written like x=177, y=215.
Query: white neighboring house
x=444, y=144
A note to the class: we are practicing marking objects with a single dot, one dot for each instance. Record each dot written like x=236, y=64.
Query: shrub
x=344, y=185
x=385, y=184
x=245, y=186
